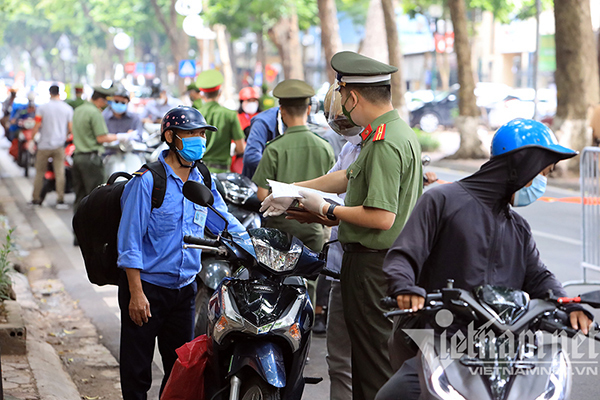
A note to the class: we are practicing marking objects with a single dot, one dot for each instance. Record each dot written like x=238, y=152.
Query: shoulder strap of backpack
x=160, y=182
x=205, y=173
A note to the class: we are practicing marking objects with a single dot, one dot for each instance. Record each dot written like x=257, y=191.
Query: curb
x=52, y=380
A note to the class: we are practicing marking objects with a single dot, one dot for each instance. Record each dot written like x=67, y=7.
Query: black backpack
x=96, y=222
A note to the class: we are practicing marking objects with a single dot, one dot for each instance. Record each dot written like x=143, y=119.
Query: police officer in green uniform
x=266, y=101
x=382, y=187
x=77, y=101
x=195, y=96
x=297, y=155
x=218, y=144
x=89, y=132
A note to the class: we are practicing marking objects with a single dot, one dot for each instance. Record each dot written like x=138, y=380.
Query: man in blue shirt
x=119, y=120
x=264, y=127
x=156, y=295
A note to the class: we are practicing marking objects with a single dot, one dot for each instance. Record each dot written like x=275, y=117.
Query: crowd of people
x=392, y=239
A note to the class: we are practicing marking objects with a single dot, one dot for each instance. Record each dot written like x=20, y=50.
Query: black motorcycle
x=260, y=319
x=488, y=344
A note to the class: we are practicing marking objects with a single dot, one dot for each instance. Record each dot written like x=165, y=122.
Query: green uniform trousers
x=363, y=285
x=87, y=173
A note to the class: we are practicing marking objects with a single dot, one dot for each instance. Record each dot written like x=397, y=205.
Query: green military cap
x=209, y=80
x=192, y=86
x=356, y=69
x=104, y=91
x=79, y=87
x=293, y=92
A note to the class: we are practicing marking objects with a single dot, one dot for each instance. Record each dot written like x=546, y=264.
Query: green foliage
x=503, y=10
x=427, y=141
x=242, y=16
x=5, y=266
x=356, y=10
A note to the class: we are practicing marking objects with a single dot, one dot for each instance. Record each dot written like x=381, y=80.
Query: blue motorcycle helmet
x=520, y=133
x=184, y=118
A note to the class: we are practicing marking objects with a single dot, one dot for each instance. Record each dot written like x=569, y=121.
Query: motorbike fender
x=265, y=358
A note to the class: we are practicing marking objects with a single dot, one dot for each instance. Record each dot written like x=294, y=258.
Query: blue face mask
x=527, y=195
x=193, y=148
x=118, y=107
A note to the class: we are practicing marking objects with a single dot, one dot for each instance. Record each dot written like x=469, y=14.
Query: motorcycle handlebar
x=330, y=273
x=200, y=241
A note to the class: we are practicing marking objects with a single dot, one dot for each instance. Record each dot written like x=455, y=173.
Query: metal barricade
x=589, y=181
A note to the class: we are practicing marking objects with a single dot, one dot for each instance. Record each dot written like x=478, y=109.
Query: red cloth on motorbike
x=186, y=381
x=237, y=164
x=14, y=149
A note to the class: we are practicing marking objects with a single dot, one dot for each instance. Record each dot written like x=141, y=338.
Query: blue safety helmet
x=522, y=132
x=184, y=118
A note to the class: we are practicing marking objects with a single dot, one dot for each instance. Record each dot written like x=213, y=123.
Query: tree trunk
x=395, y=57
x=330, y=33
x=468, y=120
x=576, y=74
x=178, y=40
x=285, y=35
x=372, y=45
x=262, y=54
x=228, y=86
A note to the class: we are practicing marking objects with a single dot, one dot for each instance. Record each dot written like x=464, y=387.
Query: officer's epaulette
x=140, y=172
x=379, y=133
x=271, y=141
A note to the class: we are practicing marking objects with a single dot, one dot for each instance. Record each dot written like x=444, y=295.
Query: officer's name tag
x=200, y=217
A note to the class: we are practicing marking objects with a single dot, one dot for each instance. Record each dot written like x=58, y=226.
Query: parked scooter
x=49, y=184
x=23, y=147
x=259, y=320
x=124, y=156
x=503, y=355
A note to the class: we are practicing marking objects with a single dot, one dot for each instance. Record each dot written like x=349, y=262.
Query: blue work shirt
x=124, y=124
x=263, y=128
x=151, y=240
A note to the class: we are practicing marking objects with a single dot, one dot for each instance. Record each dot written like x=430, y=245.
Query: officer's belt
x=217, y=166
x=359, y=248
x=86, y=153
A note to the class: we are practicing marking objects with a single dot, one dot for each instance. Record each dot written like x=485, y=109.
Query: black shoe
x=320, y=327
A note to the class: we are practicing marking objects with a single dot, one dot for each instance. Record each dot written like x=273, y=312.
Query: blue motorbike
x=260, y=318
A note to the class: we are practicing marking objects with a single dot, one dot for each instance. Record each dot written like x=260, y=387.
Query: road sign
x=149, y=70
x=129, y=68
x=187, y=68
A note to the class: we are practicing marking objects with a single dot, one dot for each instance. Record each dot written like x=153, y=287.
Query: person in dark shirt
x=467, y=231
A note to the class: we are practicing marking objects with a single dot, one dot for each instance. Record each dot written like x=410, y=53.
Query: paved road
x=556, y=227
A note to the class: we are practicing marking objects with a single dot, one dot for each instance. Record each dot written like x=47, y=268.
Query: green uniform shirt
x=88, y=124
x=388, y=175
x=298, y=155
x=197, y=104
x=75, y=102
x=218, y=144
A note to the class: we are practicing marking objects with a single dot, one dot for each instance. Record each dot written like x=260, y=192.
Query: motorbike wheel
x=201, y=317
x=25, y=155
x=47, y=187
x=257, y=389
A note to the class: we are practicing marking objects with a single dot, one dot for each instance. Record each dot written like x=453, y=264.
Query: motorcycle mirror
x=198, y=193
x=591, y=298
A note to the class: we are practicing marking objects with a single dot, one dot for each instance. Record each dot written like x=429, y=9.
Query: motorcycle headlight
x=235, y=193
x=559, y=381
x=278, y=261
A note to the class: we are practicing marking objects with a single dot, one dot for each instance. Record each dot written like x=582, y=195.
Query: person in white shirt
x=53, y=122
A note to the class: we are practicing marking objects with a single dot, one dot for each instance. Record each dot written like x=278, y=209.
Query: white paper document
x=281, y=189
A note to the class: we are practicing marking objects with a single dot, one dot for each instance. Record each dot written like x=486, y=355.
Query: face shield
x=335, y=115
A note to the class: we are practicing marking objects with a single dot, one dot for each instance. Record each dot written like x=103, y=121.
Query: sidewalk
x=64, y=359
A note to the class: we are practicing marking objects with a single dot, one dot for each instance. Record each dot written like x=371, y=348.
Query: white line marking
x=574, y=242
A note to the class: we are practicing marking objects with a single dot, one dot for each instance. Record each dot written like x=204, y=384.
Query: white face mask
x=250, y=107
x=355, y=140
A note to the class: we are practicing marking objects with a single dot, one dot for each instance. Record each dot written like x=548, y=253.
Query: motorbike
x=503, y=354
x=49, y=184
x=23, y=147
x=259, y=319
x=124, y=156
x=239, y=192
